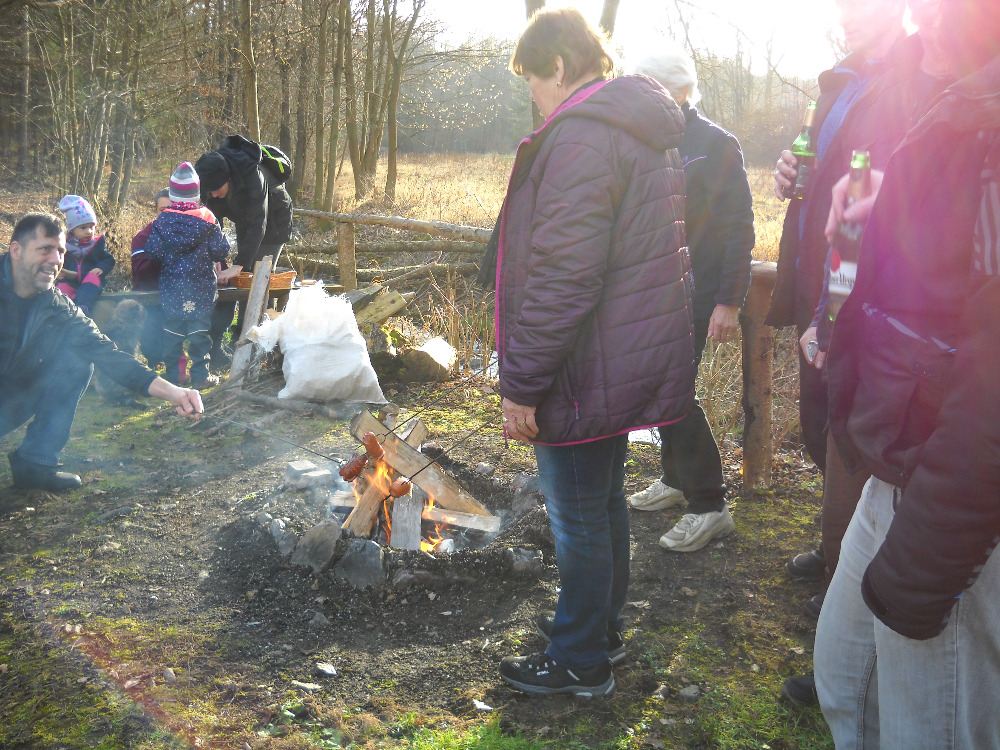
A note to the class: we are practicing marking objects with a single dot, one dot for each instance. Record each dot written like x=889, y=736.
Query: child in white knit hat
x=88, y=261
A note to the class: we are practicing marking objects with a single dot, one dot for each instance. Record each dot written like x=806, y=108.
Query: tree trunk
x=351, y=117
x=301, y=109
x=395, y=82
x=249, y=70
x=320, y=104
x=608, y=15
x=22, y=131
x=342, y=27
x=530, y=8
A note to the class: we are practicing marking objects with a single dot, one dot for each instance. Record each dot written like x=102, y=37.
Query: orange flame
x=429, y=545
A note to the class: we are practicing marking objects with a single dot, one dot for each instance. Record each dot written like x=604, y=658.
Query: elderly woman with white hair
x=718, y=218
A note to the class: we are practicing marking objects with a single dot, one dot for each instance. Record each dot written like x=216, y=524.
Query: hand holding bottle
x=784, y=173
x=858, y=211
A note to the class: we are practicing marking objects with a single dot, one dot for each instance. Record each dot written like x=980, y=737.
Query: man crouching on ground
x=48, y=349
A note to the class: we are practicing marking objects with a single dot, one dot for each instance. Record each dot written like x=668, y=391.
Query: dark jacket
x=914, y=363
x=54, y=325
x=718, y=214
x=97, y=257
x=259, y=207
x=593, y=314
x=187, y=242
x=875, y=122
x=145, y=271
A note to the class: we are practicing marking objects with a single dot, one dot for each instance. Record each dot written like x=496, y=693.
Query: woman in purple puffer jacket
x=593, y=323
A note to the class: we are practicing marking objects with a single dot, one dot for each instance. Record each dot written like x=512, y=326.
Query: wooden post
x=348, y=261
x=256, y=304
x=758, y=364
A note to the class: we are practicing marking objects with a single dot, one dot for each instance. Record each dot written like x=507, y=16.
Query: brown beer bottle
x=804, y=150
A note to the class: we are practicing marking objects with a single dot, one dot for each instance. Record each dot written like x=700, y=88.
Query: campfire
x=402, y=497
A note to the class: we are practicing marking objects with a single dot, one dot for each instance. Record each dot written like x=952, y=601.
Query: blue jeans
x=52, y=399
x=878, y=689
x=585, y=499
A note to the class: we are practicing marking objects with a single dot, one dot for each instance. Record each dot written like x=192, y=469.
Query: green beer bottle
x=805, y=155
x=847, y=242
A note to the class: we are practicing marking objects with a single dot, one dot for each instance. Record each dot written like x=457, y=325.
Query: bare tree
x=249, y=70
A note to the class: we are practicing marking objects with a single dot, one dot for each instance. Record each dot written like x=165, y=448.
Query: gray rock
x=319, y=620
x=113, y=514
x=484, y=469
x=295, y=469
x=404, y=579
x=169, y=676
x=326, y=669
x=691, y=693
x=287, y=542
x=661, y=693
x=264, y=518
x=527, y=494
x=277, y=529
x=524, y=562
x=305, y=474
x=317, y=546
x=361, y=565
x=309, y=687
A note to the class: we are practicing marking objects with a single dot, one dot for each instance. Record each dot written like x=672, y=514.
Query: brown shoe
x=204, y=385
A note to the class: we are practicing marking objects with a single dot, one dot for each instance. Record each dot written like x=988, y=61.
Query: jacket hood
x=636, y=104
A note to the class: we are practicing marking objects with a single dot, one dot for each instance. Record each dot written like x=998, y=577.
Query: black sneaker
x=29, y=475
x=808, y=566
x=540, y=675
x=616, y=641
x=814, y=606
x=800, y=690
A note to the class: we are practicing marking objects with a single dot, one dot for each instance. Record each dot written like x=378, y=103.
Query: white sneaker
x=657, y=497
x=696, y=530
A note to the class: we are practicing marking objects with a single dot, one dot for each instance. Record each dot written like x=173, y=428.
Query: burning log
x=426, y=474
x=376, y=488
x=439, y=516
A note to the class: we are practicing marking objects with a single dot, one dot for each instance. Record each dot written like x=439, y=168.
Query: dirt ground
x=157, y=563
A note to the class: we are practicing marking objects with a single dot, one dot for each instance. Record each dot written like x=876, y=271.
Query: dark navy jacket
x=718, y=215
x=187, y=242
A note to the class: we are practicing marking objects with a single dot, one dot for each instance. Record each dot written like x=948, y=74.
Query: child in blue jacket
x=187, y=241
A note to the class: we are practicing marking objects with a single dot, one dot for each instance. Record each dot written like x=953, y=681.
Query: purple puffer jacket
x=593, y=315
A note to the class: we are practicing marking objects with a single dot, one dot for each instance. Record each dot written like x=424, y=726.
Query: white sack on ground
x=325, y=355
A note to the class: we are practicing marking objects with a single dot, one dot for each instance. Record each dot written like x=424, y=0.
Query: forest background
x=98, y=93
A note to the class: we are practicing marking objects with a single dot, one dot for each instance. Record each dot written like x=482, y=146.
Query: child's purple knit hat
x=78, y=211
x=185, y=185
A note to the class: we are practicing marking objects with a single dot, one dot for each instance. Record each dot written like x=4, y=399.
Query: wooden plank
x=416, y=433
x=383, y=308
x=410, y=462
x=346, y=257
x=405, y=532
x=254, y=312
x=457, y=518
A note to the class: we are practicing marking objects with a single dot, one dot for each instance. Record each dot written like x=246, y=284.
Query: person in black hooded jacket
x=235, y=186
